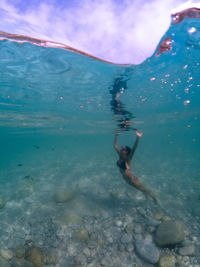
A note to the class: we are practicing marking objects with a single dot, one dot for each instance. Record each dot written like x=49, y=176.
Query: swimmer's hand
x=139, y=134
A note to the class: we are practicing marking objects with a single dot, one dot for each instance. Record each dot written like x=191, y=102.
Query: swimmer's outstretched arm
x=139, y=135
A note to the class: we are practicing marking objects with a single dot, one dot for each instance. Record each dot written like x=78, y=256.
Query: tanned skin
x=125, y=158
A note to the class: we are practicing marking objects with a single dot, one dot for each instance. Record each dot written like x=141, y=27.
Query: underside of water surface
x=61, y=190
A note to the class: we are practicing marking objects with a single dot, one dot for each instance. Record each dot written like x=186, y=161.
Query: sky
x=126, y=31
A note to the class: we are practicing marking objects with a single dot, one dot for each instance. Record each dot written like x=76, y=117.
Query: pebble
x=147, y=251
x=100, y=242
x=167, y=261
x=126, y=238
x=138, y=229
x=110, y=239
x=118, y=223
x=107, y=261
x=129, y=247
x=92, y=244
x=129, y=228
x=19, y=252
x=6, y=254
x=71, y=218
x=81, y=236
x=71, y=250
x=64, y=195
x=187, y=250
x=93, y=264
x=86, y=252
x=81, y=259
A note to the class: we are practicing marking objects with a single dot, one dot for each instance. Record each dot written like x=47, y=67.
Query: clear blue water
x=57, y=127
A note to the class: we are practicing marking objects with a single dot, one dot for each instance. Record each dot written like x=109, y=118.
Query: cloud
x=121, y=32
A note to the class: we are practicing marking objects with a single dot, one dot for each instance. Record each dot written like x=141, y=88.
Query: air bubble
x=186, y=102
x=192, y=30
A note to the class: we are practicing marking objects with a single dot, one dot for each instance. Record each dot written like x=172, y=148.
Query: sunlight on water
x=62, y=196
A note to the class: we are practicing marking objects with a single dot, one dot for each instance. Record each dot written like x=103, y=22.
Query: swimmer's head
x=125, y=151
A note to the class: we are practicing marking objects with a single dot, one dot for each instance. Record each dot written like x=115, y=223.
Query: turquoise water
x=57, y=132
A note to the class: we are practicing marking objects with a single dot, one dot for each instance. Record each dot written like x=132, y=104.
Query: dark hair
x=127, y=148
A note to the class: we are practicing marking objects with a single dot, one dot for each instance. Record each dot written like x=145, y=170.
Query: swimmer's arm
x=139, y=134
x=116, y=145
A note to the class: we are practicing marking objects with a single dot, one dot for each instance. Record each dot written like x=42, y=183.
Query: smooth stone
x=170, y=233
x=6, y=254
x=81, y=259
x=148, y=238
x=4, y=263
x=118, y=223
x=71, y=218
x=35, y=256
x=167, y=261
x=106, y=261
x=100, y=242
x=71, y=250
x=86, y=252
x=93, y=264
x=19, y=252
x=138, y=229
x=129, y=228
x=129, y=247
x=92, y=244
x=187, y=250
x=147, y=251
x=81, y=236
x=126, y=238
x=64, y=195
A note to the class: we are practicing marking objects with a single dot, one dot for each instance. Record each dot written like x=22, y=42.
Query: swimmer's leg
x=136, y=183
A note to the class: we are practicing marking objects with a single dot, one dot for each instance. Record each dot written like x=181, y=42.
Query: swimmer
x=124, y=163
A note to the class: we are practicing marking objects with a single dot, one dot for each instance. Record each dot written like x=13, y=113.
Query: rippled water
x=57, y=131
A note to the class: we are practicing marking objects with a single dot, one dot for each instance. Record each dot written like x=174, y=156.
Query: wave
x=177, y=17
x=42, y=79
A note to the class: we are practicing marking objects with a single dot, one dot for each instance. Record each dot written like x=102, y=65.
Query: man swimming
x=124, y=163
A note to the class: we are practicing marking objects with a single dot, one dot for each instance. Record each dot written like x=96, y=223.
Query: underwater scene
x=69, y=126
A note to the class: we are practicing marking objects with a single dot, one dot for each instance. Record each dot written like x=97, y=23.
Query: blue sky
x=125, y=31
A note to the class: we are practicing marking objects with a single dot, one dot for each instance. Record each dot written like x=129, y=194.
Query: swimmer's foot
x=154, y=198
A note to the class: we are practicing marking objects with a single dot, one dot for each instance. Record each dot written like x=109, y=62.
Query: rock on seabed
x=63, y=195
x=167, y=261
x=187, y=250
x=147, y=251
x=35, y=256
x=170, y=233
